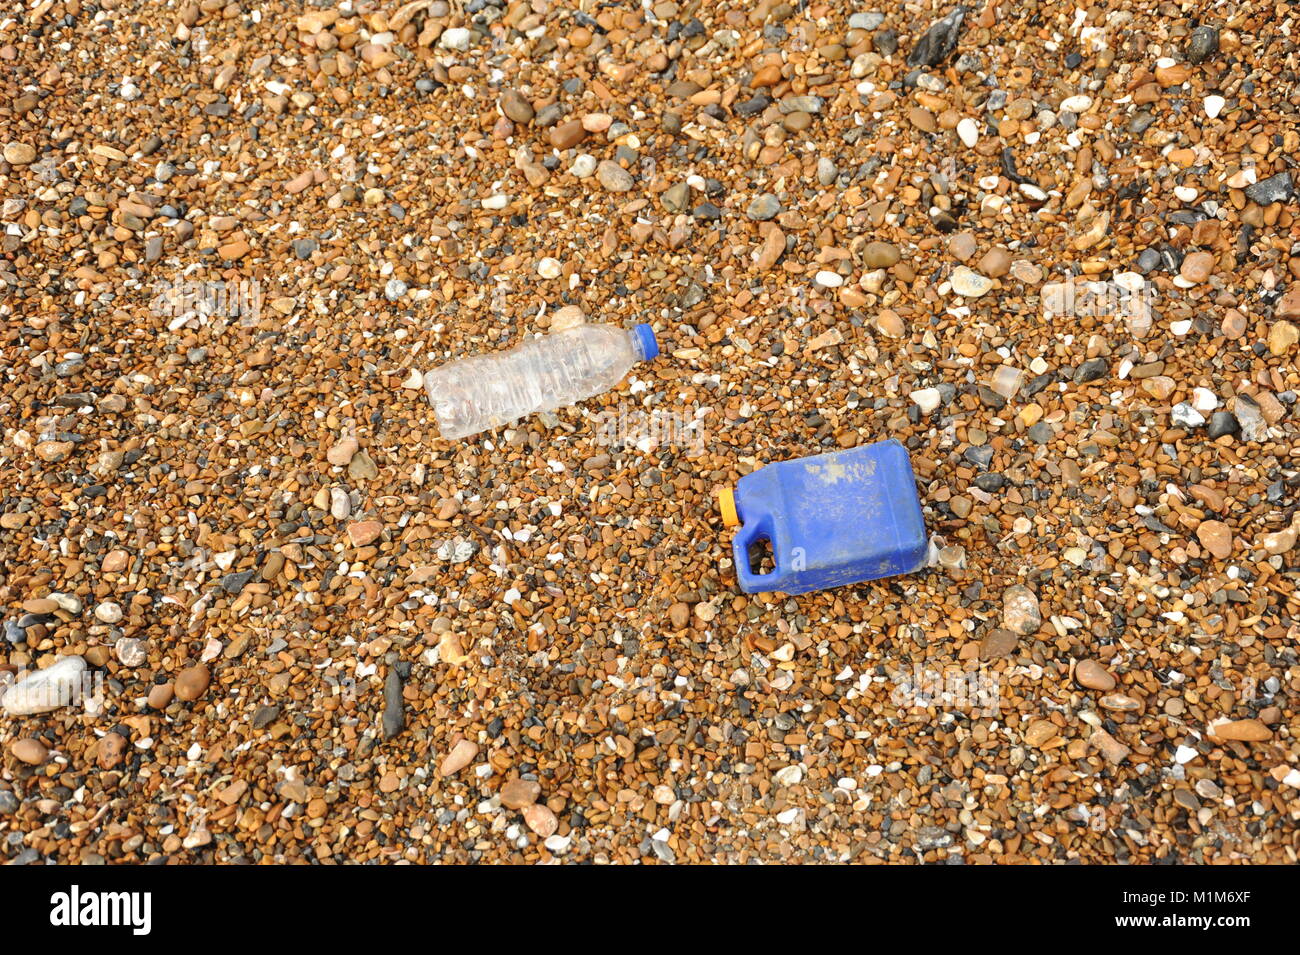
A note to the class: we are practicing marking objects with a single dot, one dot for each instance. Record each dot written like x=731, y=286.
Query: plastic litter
x=830, y=520
x=475, y=394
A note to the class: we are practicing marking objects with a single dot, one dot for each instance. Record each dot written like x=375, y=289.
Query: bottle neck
x=638, y=345
x=644, y=345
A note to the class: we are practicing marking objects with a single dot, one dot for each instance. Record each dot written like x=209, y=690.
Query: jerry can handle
x=740, y=545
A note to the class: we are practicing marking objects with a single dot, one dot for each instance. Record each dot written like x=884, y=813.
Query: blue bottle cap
x=646, y=336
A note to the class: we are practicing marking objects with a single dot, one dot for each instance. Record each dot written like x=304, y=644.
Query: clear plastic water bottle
x=539, y=374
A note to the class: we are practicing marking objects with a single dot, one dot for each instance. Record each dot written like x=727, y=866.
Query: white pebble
x=583, y=166
x=549, y=268
x=130, y=652
x=558, y=844
x=790, y=776
x=1203, y=400
x=1075, y=104
x=456, y=38
x=828, y=279
x=68, y=602
x=1130, y=281
x=340, y=503
x=108, y=612
x=44, y=690
x=969, y=132
x=927, y=399
x=969, y=283
x=1186, y=416
x=1214, y=105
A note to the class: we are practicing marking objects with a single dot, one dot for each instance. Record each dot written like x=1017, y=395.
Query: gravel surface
x=1048, y=249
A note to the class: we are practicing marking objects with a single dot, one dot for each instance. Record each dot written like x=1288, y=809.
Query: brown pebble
x=516, y=107
x=961, y=246
x=890, y=323
x=1094, y=676
x=19, y=154
x=541, y=820
x=998, y=643
x=1112, y=749
x=1249, y=731
x=922, y=119
x=567, y=135
x=880, y=255
x=1216, y=536
x=1197, y=267
x=115, y=561
x=518, y=793
x=160, y=694
x=364, y=532
x=192, y=682
x=1039, y=732
x=994, y=263
x=342, y=452
x=30, y=751
x=112, y=750
x=461, y=755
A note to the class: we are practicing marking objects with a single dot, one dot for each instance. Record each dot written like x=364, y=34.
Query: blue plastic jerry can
x=832, y=519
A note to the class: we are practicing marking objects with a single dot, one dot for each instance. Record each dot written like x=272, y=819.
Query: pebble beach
x=1052, y=250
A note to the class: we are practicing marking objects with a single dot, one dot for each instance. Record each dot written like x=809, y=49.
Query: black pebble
x=939, y=41
x=1202, y=44
x=1091, y=370
x=394, y=718
x=1221, y=423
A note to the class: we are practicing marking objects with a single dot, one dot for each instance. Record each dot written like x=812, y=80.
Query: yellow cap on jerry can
x=727, y=505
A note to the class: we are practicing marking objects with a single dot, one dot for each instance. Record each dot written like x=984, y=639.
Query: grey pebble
x=866, y=21
x=1091, y=370
x=677, y=198
x=1041, y=433
x=939, y=41
x=1273, y=189
x=234, y=583
x=979, y=456
x=394, y=718
x=763, y=207
x=802, y=104
x=1221, y=423
x=14, y=633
